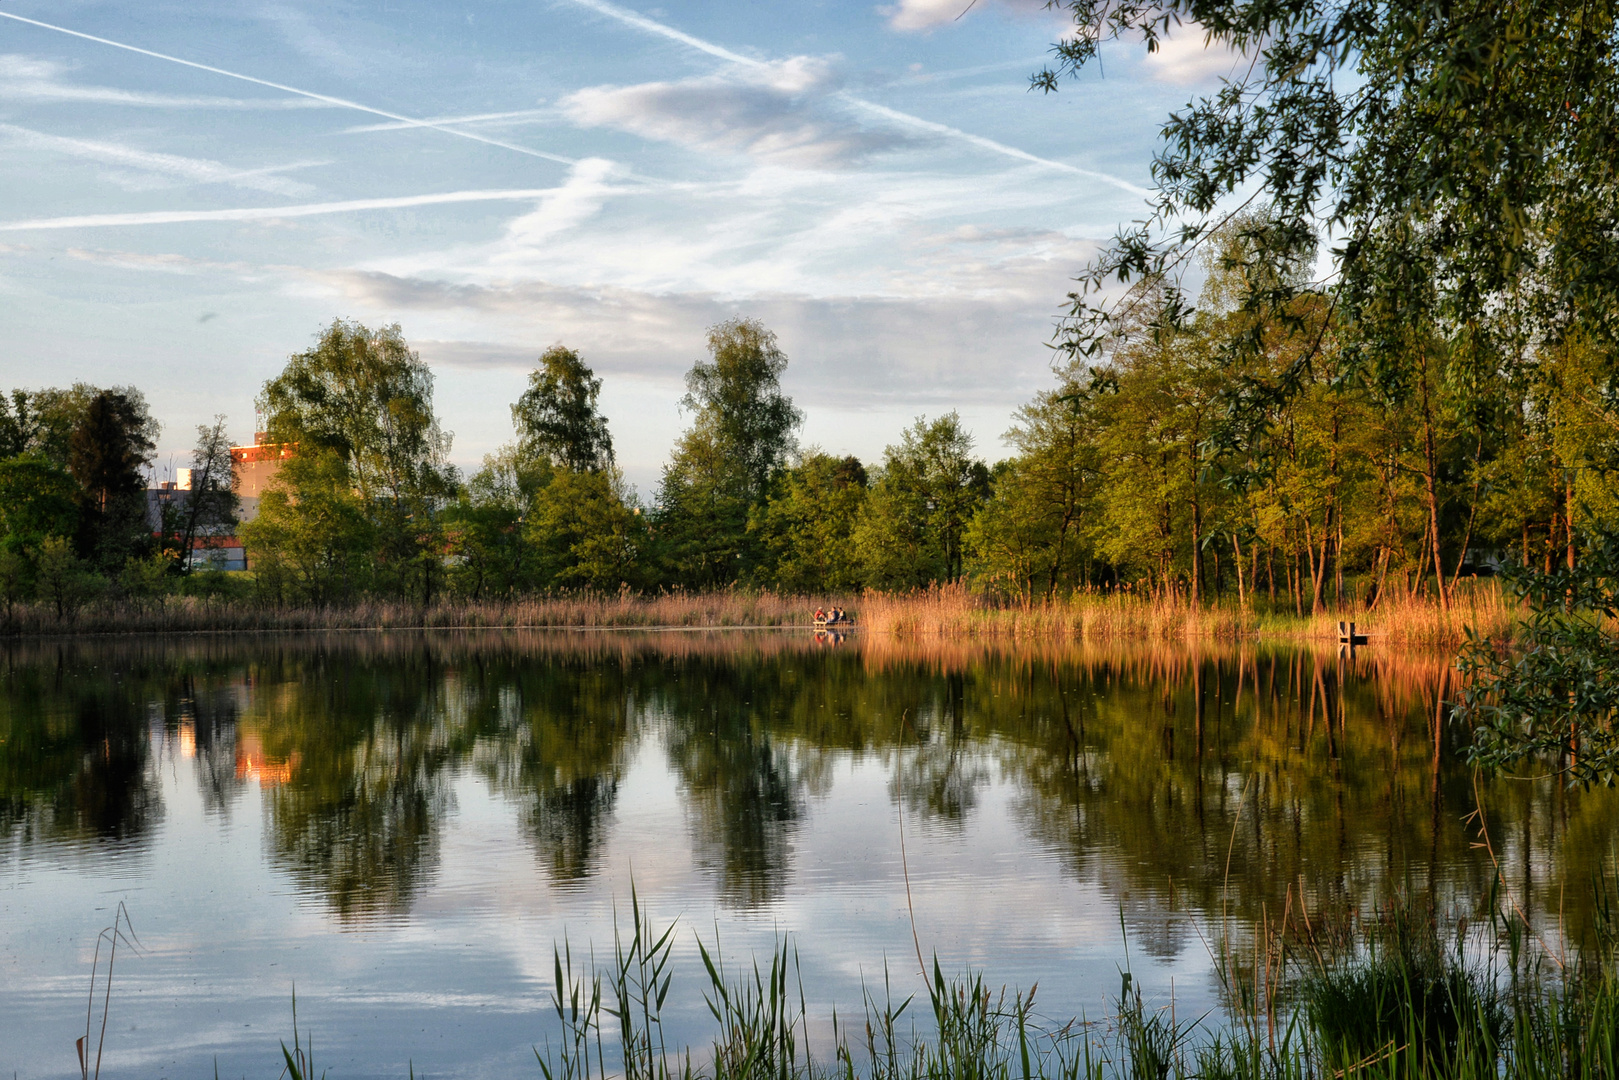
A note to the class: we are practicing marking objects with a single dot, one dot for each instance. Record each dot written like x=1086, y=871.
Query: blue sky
x=872, y=180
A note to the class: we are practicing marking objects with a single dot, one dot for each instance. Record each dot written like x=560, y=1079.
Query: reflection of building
x=255, y=468
x=252, y=764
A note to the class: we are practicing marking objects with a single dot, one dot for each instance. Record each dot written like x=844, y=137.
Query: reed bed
x=1305, y=1000
x=1105, y=616
x=953, y=612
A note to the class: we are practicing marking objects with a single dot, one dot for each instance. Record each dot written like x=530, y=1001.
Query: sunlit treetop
x=1459, y=158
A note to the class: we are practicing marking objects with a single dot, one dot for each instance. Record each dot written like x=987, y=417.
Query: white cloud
x=1185, y=59
x=927, y=14
x=158, y=170
x=776, y=111
x=851, y=352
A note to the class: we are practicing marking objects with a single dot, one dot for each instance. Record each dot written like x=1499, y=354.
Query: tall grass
x=940, y=612
x=1402, y=1003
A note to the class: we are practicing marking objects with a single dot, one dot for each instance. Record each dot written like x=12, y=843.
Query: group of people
x=829, y=615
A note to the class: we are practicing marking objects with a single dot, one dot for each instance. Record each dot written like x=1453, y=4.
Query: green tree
x=807, y=525
x=111, y=443
x=358, y=406
x=913, y=529
x=314, y=539
x=742, y=432
x=1032, y=537
x=586, y=532
x=1551, y=699
x=557, y=419
x=485, y=525
x=63, y=578
x=37, y=499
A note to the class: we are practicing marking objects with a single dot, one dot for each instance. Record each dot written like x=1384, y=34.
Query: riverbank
x=951, y=612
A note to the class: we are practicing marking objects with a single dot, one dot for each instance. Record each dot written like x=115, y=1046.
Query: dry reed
x=941, y=612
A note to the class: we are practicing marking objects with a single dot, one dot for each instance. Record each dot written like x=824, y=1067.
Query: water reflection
x=1216, y=780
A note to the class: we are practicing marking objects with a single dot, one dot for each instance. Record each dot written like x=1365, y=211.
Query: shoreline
x=944, y=613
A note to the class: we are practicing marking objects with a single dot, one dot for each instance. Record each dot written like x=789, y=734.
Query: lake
x=402, y=827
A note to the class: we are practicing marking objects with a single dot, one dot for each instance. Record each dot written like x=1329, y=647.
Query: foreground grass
x=1402, y=1005
x=949, y=612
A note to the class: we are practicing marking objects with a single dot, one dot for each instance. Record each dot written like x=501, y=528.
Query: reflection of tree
x=564, y=730
x=744, y=787
x=358, y=818
x=941, y=779
x=75, y=758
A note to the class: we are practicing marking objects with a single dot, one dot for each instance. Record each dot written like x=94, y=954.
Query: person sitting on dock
x=820, y=615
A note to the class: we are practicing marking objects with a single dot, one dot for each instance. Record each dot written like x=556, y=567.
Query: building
x=256, y=467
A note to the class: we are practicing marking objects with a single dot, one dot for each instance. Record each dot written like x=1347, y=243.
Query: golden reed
x=944, y=612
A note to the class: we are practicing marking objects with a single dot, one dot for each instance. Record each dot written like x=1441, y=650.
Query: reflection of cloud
x=926, y=14
x=150, y=166
x=776, y=111
x=24, y=78
x=1185, y=58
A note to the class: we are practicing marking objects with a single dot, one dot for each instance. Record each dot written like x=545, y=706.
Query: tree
x=211, y=505
x=1032, y=533
x=1551, y=699
x=556, y=418
x=586, y=531
x=111, y=443
x=1460, y=155
x=742, y=432
x=359, y=407
x=916, y=517
x=485, y=525
x=737, y=396
x=807, y=525
x=64, y=578
x=314, y=539
x=37, y=499
x=367, y=398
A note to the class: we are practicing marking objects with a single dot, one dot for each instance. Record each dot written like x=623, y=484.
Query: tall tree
x=211, y=504
x=807, y=525
x=358, y=407
x=742, y=432
x=1461, y=155
x=736, y=396
x=367, y=397
x=915, y=522
x=557, y=419
x=110, y=446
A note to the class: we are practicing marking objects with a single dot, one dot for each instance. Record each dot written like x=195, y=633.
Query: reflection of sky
x=460, y=987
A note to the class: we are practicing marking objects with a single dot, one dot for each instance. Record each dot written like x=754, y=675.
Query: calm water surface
x=403, y=826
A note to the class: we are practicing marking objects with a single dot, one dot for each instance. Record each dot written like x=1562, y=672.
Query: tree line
x=1160, y=466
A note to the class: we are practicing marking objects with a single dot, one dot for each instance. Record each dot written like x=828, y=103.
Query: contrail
x=641, y=22
x=408, y=121
x=447, y=120
x=990, y=144
x=260, y=213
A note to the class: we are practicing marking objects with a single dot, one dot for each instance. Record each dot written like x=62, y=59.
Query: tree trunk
x=1430, y=477
x=1242, y=591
